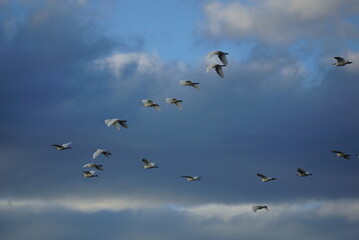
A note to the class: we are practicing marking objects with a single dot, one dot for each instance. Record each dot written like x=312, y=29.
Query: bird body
x=174, y=101
x=62, y=147
x=148, y=164
x=217, y=67
x=89, y=174
x=150, y=103
x=221, y=56
x=189, y=83
x=341, y=154
x=265, y=178
x=341, y=62
x=100, y=151
x=116, y=122
x=302, y=173
x=91, y=165
x=192, y=178
x=259, y=207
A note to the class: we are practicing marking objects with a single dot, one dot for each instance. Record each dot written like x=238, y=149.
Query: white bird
x=89, y=174
x=175, y=101
x=150, y=103
x=341, y=62
x=217, y=67
x=116, y=122
x=189, y=83
x=91, y=165
x=148, y=164
x=265, y=178
x=100, y=151
x=192, y=178
x=341, y=154
x=221, y=56
x=258, y=207
x=62, y=147
x=302, y=173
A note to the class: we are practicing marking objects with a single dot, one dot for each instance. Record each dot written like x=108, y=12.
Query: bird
x=189, y=83
x=100, y=151
x=217, y=67
x=303, y=173
x=192, y=178
x=116, y=122
x=341, y=154
x=221, y=56
x=265, y=178
x=62, y=147
x=91, y=165
x=148, y=164
x=150, y=103
x=341, y=62
x=258, y=207
x=175, y=101
x=89, y=174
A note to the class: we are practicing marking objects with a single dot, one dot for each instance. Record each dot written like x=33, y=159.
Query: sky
x=68, y=65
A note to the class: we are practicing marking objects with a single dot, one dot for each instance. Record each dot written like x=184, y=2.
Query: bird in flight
x=217, y=67
x=89, y=174
x=62, y=147
x=116, y=122
x=174, y=101
x=91, y=165
x=100, y=151
x=150, y=103
x=341, y=62
x=259, y=207
x=148, y=164
x=341, y=154
x=265, y=178
x=192, y=178
x=302, y=173
x=189, y=83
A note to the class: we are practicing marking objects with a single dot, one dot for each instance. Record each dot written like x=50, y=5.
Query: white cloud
x=116, y=63
x=280, y=21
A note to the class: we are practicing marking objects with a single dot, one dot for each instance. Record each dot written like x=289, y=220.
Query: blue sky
x=68, y=65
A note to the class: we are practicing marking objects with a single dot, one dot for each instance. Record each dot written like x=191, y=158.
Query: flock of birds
x=118, y=123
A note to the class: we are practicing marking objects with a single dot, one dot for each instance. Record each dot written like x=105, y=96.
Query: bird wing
x=124, y=124
x=66, y=144
x=301, y=171
x=187, y=176
x=261, y=175
x=88, y=165
x=106, y=153
x=179, y=105
x=223, y=58
x=96, y=153
x=146, y=161
x=157, y=107
x=209, y=67
x=335, y=151
x=145, y=101
x=346, y=156
x=98, y=167
x=108, y=122
x=195, y=85
x=185, y=82
x=117, y=125
x=56, y=145
x=169, y=100
x=255, y=208
x=87, y=172
x=219, y=71
x=340, y=59
x=211, y=54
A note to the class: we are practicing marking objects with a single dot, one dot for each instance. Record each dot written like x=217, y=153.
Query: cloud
x=281, y=22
